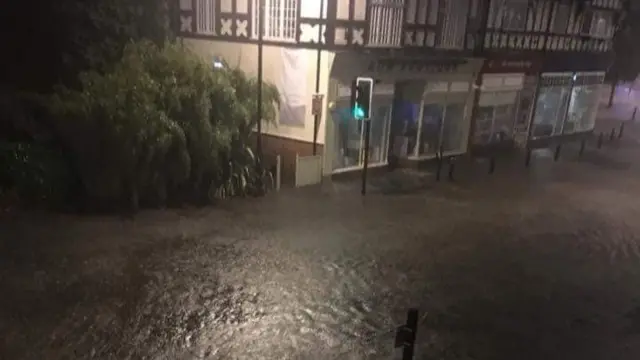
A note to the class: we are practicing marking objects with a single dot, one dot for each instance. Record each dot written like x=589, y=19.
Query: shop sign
x=445, y=66
x=527, y=66
x=316, y=104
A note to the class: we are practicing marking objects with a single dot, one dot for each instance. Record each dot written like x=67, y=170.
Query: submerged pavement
x=535, y=264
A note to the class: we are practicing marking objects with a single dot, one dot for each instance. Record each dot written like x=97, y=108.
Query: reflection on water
x=501, y=270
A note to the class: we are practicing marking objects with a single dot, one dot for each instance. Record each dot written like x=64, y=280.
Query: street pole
x=259, y=99
x=316, y=116
x=367, y=136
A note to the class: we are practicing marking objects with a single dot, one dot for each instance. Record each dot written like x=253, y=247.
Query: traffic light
x=361, y=95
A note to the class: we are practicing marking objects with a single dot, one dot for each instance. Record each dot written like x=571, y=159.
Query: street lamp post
x=259, y=98
x=316, y=116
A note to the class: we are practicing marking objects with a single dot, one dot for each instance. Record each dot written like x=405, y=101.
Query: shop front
x=504, y=103
x=567, y=104
x=418, y=107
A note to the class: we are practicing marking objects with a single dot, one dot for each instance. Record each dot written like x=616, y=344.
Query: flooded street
x=537, y=264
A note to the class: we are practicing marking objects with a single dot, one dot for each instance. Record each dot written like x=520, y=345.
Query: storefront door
x=349, y=135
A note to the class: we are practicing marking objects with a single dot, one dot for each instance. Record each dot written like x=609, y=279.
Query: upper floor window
x=454, y=24
x=597, y=23
x=280, y=19
x=510, y=15
x=385, y=22
x=560, y=20
x=205, y=17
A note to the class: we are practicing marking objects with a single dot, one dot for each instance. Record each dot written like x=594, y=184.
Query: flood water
x=537, y=264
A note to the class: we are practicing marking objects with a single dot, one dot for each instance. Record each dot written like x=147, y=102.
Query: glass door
x=349, y=136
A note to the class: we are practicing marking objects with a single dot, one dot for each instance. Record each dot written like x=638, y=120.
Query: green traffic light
x=358, y=112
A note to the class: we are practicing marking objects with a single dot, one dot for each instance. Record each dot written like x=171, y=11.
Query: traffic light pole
x=367, y=136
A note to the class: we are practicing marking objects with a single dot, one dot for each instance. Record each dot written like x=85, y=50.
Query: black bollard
x=621, y=131
x=613, y=134
x=600, y=140
x=492, y=164
x=556, y=155
x=583, y=144
x=438, y=166
x=452, y=166
x=527, y=159
x=406, y=335
x=633, y=116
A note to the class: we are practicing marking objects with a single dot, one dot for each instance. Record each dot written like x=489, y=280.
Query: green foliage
x=163, y=126
x=37, y=174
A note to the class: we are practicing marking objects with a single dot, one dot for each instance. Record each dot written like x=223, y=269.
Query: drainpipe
x=259, y=98
x=316, y=117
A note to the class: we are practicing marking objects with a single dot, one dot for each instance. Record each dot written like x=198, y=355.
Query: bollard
x=600, y=140
x=613, y=134
x=406, y=335
x=556, y=155
x=582, y=146
x=438, y=166
x=633, y=116
x=492, y=164
x=621, y=131
x=527, y=159
x=452, y=166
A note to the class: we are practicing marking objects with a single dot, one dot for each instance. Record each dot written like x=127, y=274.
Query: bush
x=35, y=174
x=163, y=126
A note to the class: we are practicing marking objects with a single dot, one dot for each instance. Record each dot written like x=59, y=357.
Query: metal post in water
x=367, y=136
x=259, y=95
x=621, y=131
x=600, y=140
x=316, y=117
x=406, y=335
x=556, y=155
x=440, y=158
x=452, y=167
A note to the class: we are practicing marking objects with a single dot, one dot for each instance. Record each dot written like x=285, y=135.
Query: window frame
x=282, y=31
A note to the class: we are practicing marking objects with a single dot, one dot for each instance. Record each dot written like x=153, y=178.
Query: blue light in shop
x=358, y=112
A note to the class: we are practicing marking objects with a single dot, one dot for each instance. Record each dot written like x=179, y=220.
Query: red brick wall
x=287, y=149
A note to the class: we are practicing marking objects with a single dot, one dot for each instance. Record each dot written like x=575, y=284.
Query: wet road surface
x=543, y=264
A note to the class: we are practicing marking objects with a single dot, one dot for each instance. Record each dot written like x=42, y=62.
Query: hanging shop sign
x=527, y=65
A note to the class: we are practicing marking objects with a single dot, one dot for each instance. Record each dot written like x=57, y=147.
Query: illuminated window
x=385, y=22
x=280, y=19
x=206, y=17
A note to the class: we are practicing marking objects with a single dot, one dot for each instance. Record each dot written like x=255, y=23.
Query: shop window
x=453, y=128
x=582, y=108
x=349, y=135
x=550, y=110
x=495, y=117
x=432, y=116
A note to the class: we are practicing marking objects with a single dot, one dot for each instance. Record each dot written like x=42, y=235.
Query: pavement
x=525, y=263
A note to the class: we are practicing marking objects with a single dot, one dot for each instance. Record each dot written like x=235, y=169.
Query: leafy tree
x=162, y=124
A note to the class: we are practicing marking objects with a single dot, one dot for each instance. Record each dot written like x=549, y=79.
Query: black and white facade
x=430, y=59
